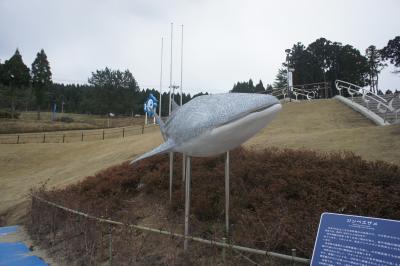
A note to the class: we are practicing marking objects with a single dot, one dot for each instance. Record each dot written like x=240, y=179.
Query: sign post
x=150, y=107
x=356, y=240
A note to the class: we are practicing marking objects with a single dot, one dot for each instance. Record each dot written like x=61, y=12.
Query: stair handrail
x=384, y=106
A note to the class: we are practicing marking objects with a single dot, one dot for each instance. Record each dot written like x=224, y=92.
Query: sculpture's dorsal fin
x=163, y=148
x=162, y=126
x=174, y=106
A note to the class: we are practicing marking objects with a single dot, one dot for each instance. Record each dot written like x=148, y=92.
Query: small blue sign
x=150, y=105
x=356, y=240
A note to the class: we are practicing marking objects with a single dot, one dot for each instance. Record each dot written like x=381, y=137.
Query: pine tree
x=375, y=66
x=259, y=87
x=250, y=86
x=41, y=79
x=15, y=76
x=281, y=79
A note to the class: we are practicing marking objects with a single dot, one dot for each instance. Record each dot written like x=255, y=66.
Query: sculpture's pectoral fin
x=163, y=148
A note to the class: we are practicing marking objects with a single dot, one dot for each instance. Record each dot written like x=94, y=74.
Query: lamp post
x=287, y=51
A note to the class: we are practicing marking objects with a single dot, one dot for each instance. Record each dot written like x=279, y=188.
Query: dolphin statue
x=213, y=124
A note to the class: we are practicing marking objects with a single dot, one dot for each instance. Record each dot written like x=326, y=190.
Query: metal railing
x=299, y=94
x=383, y=106
x=74, y=136
x=222, y=244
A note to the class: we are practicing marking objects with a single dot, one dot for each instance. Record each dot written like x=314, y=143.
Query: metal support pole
x=227, y=193
x=181, y=62
x=183, y=167
x=123, y=132
x=187, y=202
x=171, y=173
x=162, y=47
x=170, y=73
x=82, y=136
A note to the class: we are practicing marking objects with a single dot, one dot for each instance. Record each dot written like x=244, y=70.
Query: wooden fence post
x=294, y=255
x=224, y=252
x=82, y=136
x=44, y=137
x=18, y=139
x=123, y=132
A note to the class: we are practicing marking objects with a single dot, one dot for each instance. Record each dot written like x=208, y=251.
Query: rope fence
x=268, y=255
x=74, y=136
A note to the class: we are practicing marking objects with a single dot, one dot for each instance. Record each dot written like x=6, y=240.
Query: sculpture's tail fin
x=163, y=148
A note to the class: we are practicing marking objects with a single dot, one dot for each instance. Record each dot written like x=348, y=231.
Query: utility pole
x=287, y=51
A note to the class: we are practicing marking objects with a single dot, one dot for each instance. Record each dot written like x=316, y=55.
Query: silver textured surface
x=205, y=113
x=210, y=111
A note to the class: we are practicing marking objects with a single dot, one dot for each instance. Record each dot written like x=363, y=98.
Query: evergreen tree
x=375, y=65
x=41, y=79
x=250, y=87
x=116, y=91
x=391, y=52
x=15, y=77
x=281, y=79
x=259, y=87
x=269, y=88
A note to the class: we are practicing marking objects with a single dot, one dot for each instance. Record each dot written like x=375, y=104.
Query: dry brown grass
x=328, y=125
x=26, y=165
x=321, y=125
x=274, y=206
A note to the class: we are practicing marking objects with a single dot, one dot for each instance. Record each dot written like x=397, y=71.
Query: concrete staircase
x=382, y=109
x=386, y=115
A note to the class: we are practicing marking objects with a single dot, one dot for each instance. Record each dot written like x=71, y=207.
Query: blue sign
x=150, y=105
x=356, y=240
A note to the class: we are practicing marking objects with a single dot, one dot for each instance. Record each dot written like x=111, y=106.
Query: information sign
x=356, y=240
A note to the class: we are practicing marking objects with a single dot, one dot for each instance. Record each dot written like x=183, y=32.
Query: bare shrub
x=277, y=197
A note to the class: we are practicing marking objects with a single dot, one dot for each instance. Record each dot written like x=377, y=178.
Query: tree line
x=115, y=91
x=327, y=61
x=107, y=91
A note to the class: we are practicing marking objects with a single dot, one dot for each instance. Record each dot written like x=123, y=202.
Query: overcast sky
x=224, y=41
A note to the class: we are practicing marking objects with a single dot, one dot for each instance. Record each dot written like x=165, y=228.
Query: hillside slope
x=321, y=125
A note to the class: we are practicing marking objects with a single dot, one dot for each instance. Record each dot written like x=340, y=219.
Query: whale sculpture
x=213, y=124
x=210, y=125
